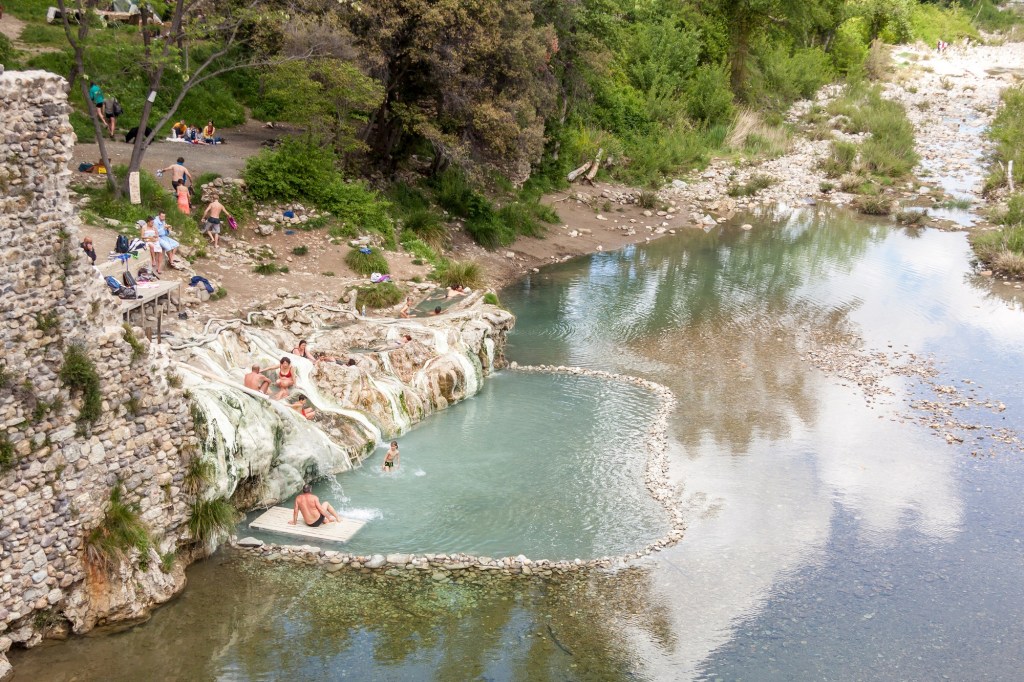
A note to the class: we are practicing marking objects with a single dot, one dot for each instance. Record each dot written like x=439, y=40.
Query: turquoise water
x=830, y=535
x=546, y=465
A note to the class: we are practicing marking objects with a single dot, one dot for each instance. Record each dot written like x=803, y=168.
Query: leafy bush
x=426, y=225
x=381, y=295
x=850, y=46
x=119, y=531
x=840, y=159
x=210, y=520
x=301, y=170
x=520, y=219
x=460, y=273
x=78, y=373
x=268, y=269
x=7, y=454
x=709, y=96
x=491, y=298
x=420, y=249
x=756, y=183
x=911, y=217
x=199, y=474
x=300, y=250
x=8, y=55
x=873, y=205
x=930, y=23
x=455, y=194
x=366, y=263
x=1007, y=133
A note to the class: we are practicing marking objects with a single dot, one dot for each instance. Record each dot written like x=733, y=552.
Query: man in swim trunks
x=211, y=221
x=179, y=174
x=391, y=458
x=314, y=513
x=256, y=381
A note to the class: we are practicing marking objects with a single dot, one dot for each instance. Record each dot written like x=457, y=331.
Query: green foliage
x=420, y=249
x=300, y=170
x=1007, y=135
x=367, y=263
x=453, y=273
x=840, y=160
x=300, y=250
x=220, y=293
x=757, y=182
x=988, y=16
x=889, y=151
x=426, y=226
x=269, y=269
x=47, y=322
x=850, y=46
x=491, y=298
x=174, y=380
x=329, y=97
x=455, y=193
x=8, y=457
x=120, y=531
x=8, y=55
x=873, y=205
x=521, y=219
x=648, y=200
x=381, y=295
x=931, y=23
x=199, y=474
x=138, y=350
x=783, y=77
x=209, y=520
x=78, y=373
x=911, y=217
x=167, y=560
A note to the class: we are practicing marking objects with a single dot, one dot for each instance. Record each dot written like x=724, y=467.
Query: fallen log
x=578, y=172
x=594, y=168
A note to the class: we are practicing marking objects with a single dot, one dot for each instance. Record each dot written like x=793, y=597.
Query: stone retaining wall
x=442, y=565
x=57, y=471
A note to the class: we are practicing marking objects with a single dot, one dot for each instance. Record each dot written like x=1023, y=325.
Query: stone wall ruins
x=57, y=470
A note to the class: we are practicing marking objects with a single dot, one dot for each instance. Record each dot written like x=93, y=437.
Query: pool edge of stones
x=656, y=481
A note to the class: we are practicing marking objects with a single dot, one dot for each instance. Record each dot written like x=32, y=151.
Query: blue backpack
x=115, y=286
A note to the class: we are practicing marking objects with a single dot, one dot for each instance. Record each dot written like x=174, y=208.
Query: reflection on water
x=826, y=537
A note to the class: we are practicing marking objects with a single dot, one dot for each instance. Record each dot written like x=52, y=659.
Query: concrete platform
x=276, y=520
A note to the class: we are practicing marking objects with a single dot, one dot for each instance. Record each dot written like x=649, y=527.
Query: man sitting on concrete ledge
x=313, y=512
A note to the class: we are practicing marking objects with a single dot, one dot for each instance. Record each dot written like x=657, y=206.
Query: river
x=834, y=530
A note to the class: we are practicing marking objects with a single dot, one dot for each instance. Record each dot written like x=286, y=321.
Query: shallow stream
x=833, y=532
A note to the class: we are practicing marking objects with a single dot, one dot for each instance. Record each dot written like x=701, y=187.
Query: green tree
x=470, y=78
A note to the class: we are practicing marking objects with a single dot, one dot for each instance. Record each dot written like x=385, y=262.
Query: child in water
x=391, y=458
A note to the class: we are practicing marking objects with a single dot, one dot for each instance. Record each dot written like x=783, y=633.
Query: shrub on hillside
x=381, y=295
x=367, y=263
x=455, y=273
x=1007, y=132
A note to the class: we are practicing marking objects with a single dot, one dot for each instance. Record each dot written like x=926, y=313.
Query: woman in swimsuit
x=391, y=458
x=285, y=377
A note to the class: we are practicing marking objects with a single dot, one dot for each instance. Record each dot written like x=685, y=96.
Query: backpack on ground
x=114, y=285
x=128, y=280
x=121, y=245
x=127, y=292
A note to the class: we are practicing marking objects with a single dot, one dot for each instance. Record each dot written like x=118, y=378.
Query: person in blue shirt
x=96, y=97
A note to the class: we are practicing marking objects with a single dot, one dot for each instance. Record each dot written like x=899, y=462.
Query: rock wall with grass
x=85, y=407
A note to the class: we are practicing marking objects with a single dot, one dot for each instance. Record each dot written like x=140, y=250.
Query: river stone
x=334, y=568
x=6, y=671
x=376, y=561
x=401, y=559
x=439, y=576
x=250, y=542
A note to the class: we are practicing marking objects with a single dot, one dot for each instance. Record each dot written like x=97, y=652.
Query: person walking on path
x=211, y=221
x=112, y=110
x=179, y=174
x=96, y=97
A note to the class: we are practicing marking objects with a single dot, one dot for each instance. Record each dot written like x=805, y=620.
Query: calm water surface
x=830, y=536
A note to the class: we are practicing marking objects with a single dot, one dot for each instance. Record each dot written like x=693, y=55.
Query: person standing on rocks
x=211, y=221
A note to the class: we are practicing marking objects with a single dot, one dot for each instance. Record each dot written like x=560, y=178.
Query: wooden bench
x=151, y=292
